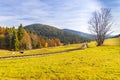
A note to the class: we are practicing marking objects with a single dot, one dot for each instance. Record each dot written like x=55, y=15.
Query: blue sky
x=70, y=14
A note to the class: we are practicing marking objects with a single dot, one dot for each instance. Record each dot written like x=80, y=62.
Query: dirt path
x=35, y=55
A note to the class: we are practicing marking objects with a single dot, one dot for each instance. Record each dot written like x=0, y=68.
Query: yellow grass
x=113, y=41
x=94, y=63
x=39, y=51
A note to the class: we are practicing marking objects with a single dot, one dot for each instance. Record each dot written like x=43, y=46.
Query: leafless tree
x=100, y=24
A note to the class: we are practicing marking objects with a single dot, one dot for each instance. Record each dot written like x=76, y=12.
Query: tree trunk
x=100, y=42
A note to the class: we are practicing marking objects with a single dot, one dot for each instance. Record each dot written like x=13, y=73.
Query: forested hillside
x=90, y=36
x=20, y=39
x=36, y=36
x=52, y=32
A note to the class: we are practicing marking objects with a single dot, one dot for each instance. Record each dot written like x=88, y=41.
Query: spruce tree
x=20, y=32
x=16, y=44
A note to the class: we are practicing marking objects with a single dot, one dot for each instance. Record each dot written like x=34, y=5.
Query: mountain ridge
x=80, y=33
x=53, y=32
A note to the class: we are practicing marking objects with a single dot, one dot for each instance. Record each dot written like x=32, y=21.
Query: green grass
x=94, y=63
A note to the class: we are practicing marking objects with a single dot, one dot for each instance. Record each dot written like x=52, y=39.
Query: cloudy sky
x=70, y=14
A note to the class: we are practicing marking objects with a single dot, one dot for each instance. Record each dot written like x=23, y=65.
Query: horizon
x=68, y=14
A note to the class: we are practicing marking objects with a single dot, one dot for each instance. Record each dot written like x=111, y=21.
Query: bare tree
x=100, y=24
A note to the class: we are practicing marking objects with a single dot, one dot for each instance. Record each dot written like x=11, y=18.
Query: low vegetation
x=93, y=63
x=4, y=53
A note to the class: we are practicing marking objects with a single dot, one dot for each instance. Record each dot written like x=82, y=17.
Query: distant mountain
x=53, y=32
x=80, y=33
x=115, y=36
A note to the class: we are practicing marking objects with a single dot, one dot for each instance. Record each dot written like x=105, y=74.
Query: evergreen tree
x=20, y=32
x=9, y=37
x=2, y=41
x=20, y=39
x=16, y=44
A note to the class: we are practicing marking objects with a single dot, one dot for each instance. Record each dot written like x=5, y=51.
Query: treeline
x=20, y=39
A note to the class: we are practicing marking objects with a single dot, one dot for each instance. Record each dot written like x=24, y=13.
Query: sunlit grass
x=39, y=51
x=93, y=63
x=113, y=41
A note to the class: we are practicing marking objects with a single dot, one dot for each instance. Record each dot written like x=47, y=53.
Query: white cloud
x=72, y=14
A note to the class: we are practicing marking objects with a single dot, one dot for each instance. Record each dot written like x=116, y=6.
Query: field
x=4, y=53
x=93, y=63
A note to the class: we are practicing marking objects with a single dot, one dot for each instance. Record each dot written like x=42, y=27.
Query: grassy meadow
x=93, y=63
x=4, y=53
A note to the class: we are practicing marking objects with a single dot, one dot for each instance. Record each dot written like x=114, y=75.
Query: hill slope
x=52, y=32
x=116, y=36
x=80, y=33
